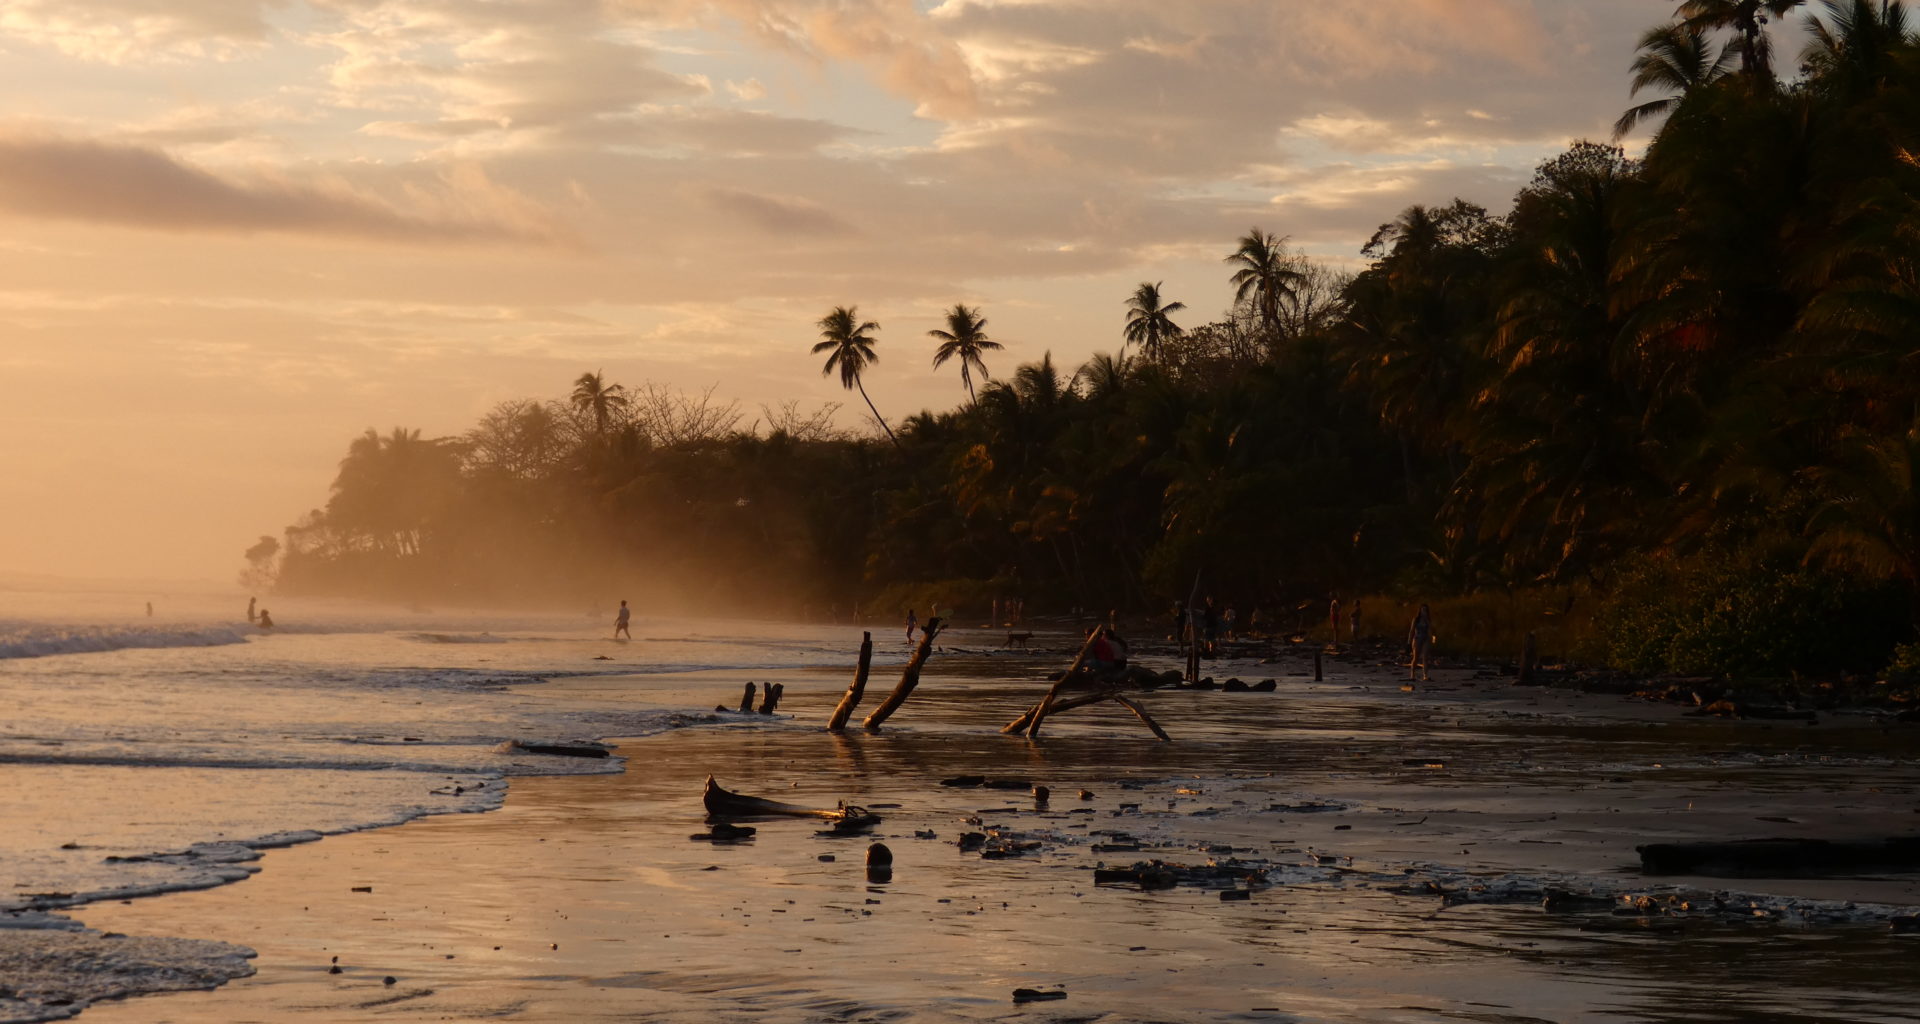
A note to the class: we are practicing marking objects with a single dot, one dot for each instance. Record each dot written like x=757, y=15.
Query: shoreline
x=580, y=861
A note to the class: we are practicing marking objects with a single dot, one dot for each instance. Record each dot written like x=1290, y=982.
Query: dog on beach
x=1017, y=640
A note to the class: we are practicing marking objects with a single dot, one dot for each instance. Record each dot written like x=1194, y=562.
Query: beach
x=1401, y=841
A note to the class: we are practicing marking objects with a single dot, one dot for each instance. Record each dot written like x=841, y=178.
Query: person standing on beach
x=1227, y=621
x=1420, y=644
x=1333, y=618
x=621, y=620
x=252, y=616
x=149, y=609
x=912, y=621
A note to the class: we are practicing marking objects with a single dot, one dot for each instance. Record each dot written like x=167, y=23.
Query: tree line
x=1681, y=392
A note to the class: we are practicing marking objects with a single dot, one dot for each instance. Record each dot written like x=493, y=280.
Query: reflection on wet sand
x=584, y=900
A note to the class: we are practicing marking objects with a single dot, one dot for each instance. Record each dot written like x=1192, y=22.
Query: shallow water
x=203, y=752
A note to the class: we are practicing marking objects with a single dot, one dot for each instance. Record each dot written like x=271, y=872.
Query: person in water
x=621, y=620
x=1420, y=643
x=266, y=620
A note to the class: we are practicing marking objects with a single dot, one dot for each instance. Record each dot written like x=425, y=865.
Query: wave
x=35, y=640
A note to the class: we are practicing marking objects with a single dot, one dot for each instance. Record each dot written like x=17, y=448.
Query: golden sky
x=238, y=232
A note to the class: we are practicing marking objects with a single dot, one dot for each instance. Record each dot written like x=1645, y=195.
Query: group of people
x=1206, y=626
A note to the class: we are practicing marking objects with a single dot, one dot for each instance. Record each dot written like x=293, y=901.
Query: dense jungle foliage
x=1683, y=392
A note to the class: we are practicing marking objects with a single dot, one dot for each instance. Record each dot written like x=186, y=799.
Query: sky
x=236, y=233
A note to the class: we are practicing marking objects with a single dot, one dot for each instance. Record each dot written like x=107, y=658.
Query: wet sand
x=583, y=899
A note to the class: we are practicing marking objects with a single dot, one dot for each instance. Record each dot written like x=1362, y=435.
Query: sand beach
x=1403, y=841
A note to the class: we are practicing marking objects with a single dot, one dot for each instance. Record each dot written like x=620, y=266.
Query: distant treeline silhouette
x=1680, y=393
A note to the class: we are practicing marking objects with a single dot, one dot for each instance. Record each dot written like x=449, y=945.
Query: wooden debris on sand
x=724, y=803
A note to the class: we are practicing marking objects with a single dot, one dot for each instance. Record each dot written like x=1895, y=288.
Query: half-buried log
x=1782, y=858
x=724, y=803
x=909, y=677
x=851, y=700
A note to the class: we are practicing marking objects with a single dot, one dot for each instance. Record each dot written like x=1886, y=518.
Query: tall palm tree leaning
x=600, y=401
x=1148, y=323
x=1678, y=59
x=849, y=348
x=1263, y=277
x=966, y=338
x=1748, y=21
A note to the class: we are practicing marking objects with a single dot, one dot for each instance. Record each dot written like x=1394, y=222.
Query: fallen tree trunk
x=1781, y=858
x=909, y=678
x=1053, y=692
x=723, y=803
x=1077, y=701
x=851, y=700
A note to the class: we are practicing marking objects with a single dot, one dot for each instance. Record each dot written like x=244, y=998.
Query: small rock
x=389, y=980
x=1231, y=895
x=335, y=969
x=1086, y=794
x=879, y=856
x=1032, y=995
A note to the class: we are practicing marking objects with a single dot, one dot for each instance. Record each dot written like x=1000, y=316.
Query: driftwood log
x=1782, y=858
x=851, y=700
x=909, y=677
x=1053, y=692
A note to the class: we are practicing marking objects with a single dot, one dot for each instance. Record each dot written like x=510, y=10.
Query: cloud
x=138, y=31
x=132, y=186
x=776, y=214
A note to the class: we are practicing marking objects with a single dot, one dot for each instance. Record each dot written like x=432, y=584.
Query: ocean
x=141, y=755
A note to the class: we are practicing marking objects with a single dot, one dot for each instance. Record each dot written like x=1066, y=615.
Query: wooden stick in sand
x=1076, y=701
x=909, y=678
x=1053, y=693
x=746, y=700
x=1141, y=713
x=851, y=700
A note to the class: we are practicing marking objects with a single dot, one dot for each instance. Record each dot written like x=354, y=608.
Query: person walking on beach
x=621, y=620
x=1333, y=618
x=1420, y=644
x=912, y=621
x=252, y=616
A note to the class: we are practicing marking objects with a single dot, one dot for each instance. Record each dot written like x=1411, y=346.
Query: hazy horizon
x=240, y=233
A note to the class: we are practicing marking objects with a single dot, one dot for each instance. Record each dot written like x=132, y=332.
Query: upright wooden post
x=851, y=699
x=909, y=678
x=746, y=701
x=1317, y=672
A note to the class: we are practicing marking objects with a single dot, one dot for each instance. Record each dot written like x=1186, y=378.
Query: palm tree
x=1677, y=58
x=1870, y=517
x=1148, y=323
x=1748, y=21
x=1263, y=277
x=965, y=337
x=849, y=345
x=1855, y=47
x=601, y=401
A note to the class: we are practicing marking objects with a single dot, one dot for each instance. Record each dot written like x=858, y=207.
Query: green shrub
x=1745, y=613
x=1904, y=669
